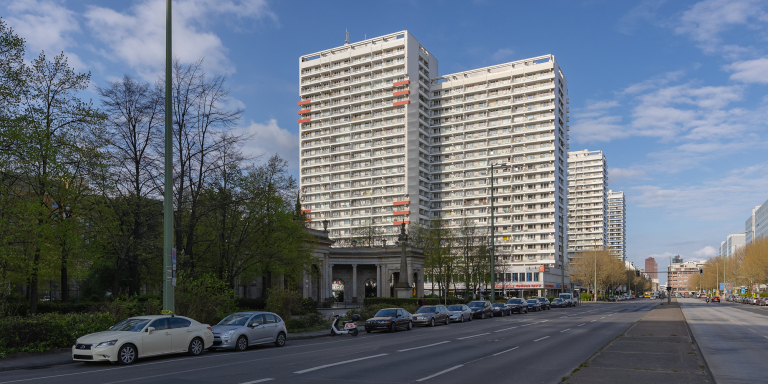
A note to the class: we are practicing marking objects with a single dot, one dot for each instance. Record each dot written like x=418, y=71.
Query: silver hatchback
x=242, y=329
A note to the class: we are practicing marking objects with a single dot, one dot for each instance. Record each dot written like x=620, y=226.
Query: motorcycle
x=348, y=327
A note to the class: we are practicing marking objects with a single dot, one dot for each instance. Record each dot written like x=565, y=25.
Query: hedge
x=399, y=302
x=43, y=332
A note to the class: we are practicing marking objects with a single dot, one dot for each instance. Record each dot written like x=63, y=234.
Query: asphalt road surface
x=733, y=338
x=529, y=348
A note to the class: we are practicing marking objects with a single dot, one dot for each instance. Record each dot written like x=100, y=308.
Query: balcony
x=304, y=102
x=401, y=103
x=304, y=120
x=303, y=111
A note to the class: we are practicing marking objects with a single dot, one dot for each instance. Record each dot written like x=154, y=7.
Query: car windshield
x=426, y=310
x=515, y=301
x=533, y=301
x=235, y=319
x=541, y=299
x=557, y=300
x=477, y=304
x=455, y=308
x=386, y=313
x=565, y=295
x=130, y=325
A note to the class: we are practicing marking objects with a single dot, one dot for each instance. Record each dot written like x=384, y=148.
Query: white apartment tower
x=587, y=201
x=384, y=139
x=617, y=222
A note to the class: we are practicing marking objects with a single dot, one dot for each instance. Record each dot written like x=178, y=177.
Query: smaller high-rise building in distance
x=587, y=201
x=617, y=222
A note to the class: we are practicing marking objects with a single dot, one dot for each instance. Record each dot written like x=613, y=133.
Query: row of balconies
x=345, y=79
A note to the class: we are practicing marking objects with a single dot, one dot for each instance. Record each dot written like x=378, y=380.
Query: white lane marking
x=564, y=330
x=563, y=316
x=525, y=325
x=541, y=339
x=339, y=363
x=511, y=349
x=580, y=324
x=424, y=346
x=543, y=321
x=257, y=381
x=603, y=317
x=469, y=337
x=505, y=329
x=440, y=373
x=593, y=321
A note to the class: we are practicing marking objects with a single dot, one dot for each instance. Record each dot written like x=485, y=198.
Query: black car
x=517, y=305
x=481, y=309
x=544, y=303
x=534, y=305
x=390, y=319
x=501, y=309
x=558, y=303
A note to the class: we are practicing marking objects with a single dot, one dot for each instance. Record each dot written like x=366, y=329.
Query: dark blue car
x=534, y=305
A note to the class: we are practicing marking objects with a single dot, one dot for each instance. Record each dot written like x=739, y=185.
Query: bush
x=394, y=301
x=550, y=298
x=205, y=299
x=39, y=333
x=284, y=302
x=309, y=321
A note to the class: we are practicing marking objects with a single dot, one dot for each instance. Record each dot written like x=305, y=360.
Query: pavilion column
x=378, y=280
x=354, y=283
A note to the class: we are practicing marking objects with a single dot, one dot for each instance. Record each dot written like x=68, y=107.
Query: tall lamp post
x=594, y=250
x=169, y=265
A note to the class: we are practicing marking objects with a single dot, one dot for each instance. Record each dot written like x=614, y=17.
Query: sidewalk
x=658, y=348
x=64, y=355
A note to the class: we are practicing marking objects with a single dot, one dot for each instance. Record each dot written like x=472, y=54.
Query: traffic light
x=701, y=271
x=637, y=273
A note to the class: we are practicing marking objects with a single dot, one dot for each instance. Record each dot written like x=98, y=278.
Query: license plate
x=350, y=326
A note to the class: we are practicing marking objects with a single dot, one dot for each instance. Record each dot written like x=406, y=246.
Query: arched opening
x=393, y=278
x=415, y=285
x=370, y=288
x=315, y=276
x=338, y=290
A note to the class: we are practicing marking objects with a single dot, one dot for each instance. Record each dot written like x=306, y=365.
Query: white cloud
x=750, y=71
x=615, y=174
x=653, y=82
x=706, y=252
x=707, y=20
x=46, y=25
x=502, y=54
x=269, y=139
x=602, y=104
x=136, y=37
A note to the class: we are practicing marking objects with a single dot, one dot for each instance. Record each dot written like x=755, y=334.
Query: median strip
x=469, y=337
x=541, y=339
x=440, y=373
x=511, y=349
x=423, y=346
x=340, y=363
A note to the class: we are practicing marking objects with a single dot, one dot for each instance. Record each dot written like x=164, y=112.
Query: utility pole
x=493, y=244
x=168, y=265
x=594, y=249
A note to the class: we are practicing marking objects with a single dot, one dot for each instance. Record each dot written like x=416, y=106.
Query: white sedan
x=144, y=336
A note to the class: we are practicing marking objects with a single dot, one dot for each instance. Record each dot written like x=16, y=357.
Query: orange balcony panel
x=404, y=82
x=401, y=202
x=406, y=92
x=401, y=102
x=304, y=102
x=303, y=111
x=304, y=120
x=306, y=211
x=401, y=213
x=400, y=222
x=307, y=220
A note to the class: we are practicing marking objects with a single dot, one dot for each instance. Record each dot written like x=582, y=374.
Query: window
x=258, y=319
x=160, y=324
x=269, y=318
x=535, y=277
x=530, y=277
x=177, y=322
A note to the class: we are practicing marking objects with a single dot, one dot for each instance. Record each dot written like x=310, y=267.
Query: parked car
x=558, y=303
x=390, y=319
x=517, y=305
x=763, y=301
x=460, y=313
x=481, y=309
x=144, y=336
x=240, y=330
x=545, y=304
x=534, y=305
x=501, y=309
x=569, y=299
x=430, y=315
x=714, y=299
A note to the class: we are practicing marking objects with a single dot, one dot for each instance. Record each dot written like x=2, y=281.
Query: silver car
x=460, y=313
x=242, y=329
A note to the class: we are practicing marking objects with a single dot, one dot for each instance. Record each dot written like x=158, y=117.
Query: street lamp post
x=170, y=274
x=594, y=250
x=493, y=243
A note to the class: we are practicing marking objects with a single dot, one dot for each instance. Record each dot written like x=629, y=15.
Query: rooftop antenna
x=346, y=42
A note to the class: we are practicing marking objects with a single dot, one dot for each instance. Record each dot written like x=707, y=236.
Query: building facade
x=682, y=274
x=385, y=140
x=750, y=225
x=732, y=243
x=587, y=201
x=757, y=224
x=617, y=223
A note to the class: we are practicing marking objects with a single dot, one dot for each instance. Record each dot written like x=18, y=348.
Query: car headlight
x=227, y=334
x=106, y=344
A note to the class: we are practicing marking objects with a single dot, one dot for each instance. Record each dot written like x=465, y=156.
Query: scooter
x=349, y=326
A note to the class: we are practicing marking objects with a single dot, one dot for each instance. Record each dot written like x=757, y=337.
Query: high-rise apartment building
x=732, y=243
x=587, y=201
x=617, y=222
x=757, y=224
x=385, y=140
x=652, y=268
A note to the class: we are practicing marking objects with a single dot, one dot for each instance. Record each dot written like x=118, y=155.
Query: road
x=542, y=347
x=732, y=337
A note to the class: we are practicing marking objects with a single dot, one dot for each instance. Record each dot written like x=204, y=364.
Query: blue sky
x=674, y=92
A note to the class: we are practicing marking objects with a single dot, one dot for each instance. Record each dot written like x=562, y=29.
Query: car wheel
x=195, y=347
x=392, y=328
x=462, y=319
x=367, y=331
x=482, y=316
x=126, y=355
x=410, y=325
x=242, y=344
x=280, y=340
x=432, y=322
x=469, y=318
x=447, y=320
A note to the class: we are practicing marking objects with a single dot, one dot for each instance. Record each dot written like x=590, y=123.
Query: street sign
x=173, y=281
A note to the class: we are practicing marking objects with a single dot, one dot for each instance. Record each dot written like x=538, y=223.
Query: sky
x=673, y=92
